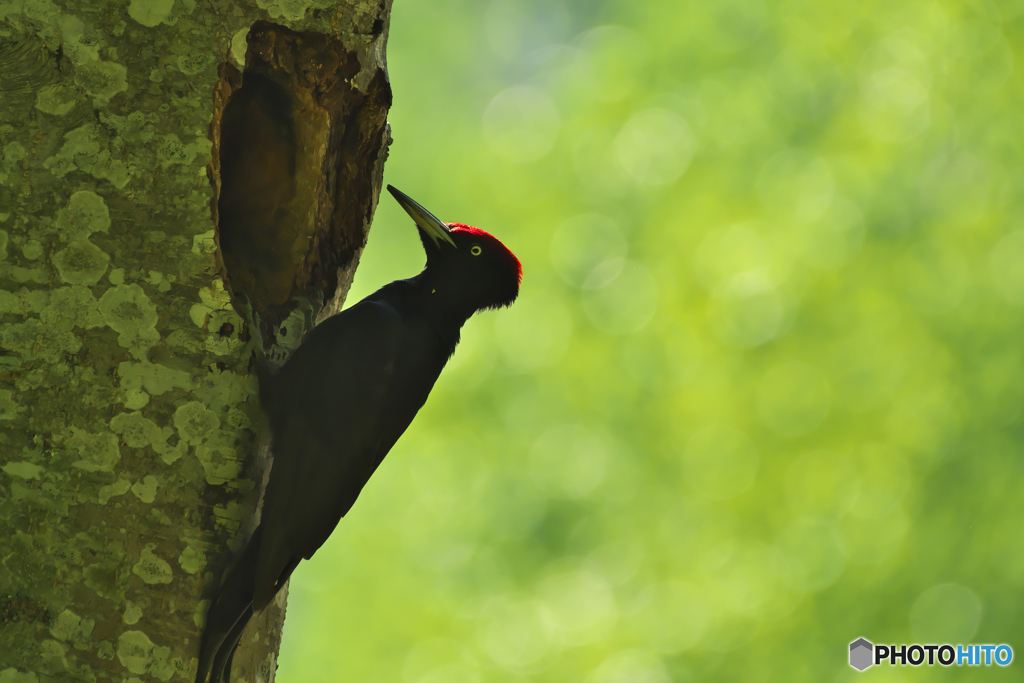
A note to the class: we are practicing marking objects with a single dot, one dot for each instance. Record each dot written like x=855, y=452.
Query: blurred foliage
x=762, y=391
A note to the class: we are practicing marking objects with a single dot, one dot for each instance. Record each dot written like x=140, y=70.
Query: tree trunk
x=157, y=159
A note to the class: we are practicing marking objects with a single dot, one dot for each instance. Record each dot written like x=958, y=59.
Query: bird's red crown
x=509, y=257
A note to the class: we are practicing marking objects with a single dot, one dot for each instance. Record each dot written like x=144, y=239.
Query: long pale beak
x=426, y=221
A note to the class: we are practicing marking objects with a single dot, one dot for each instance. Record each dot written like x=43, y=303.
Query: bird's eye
x=475, y=250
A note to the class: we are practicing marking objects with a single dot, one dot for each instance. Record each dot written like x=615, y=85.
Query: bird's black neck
x=423, y=296
x=445, y=309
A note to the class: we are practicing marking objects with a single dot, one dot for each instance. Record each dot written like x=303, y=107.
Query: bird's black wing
x=324, y=413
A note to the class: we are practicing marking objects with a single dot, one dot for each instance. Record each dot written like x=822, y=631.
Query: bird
x=342, y=400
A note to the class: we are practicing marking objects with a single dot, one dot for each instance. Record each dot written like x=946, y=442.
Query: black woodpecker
x=339, y=404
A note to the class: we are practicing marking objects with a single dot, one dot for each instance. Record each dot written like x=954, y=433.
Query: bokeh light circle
x=945, y=613
x=582, y=243
x=621, y=304
x=895, y=105
x=521, y=123
x=812, y=554
x=747, y=311
x=570, y=461
x=581, y=604
x=515, y=632
x=655, y=147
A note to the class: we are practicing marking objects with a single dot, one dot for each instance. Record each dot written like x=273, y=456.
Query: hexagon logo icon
x=861, y=651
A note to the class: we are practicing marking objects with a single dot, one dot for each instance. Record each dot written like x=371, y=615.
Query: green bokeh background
x=762, y=391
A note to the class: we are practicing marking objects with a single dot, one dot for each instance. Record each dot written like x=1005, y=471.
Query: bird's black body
x=341, y=402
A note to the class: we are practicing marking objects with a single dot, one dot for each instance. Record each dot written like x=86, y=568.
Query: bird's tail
x=229, y=614
x=274, y=564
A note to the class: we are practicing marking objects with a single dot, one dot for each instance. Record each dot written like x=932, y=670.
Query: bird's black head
x=465, y=265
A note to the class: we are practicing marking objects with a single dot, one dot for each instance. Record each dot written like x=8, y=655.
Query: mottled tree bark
x=158, y=158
